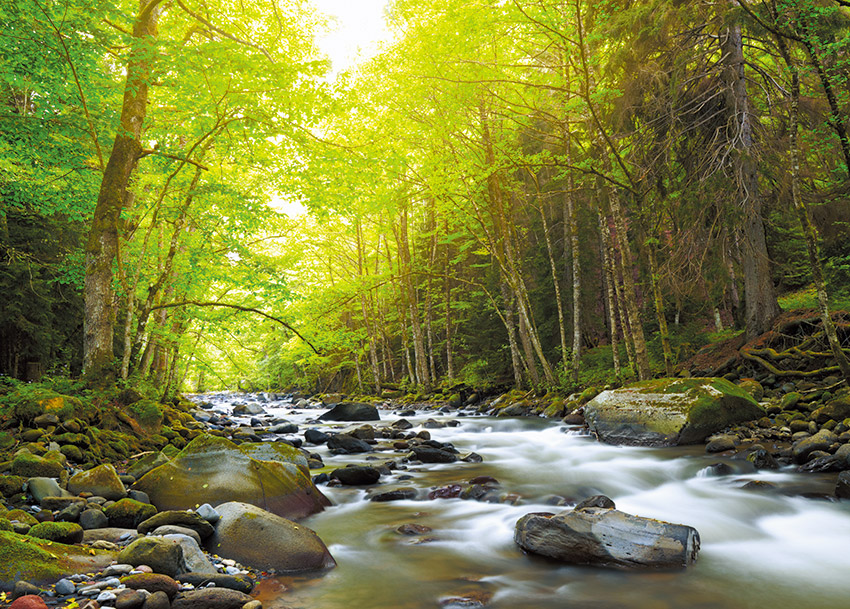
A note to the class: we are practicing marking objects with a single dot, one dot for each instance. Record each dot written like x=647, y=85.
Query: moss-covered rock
x=214, y=470
x=21, y=516
x=25, y=558
x=11, y=485
x=102, y=481
x=555, y=410
x=665, y=412
x=62, y=532
x=7, y=440
x=128, y=513
x=5, y=524
x=72, y=453
x=28, y=465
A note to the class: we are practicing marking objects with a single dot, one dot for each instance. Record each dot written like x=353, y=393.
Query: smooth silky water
x=758, y=549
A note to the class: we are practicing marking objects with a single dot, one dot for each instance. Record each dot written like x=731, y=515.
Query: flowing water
x=775, y=549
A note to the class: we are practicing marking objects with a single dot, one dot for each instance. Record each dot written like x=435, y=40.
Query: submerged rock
x=607, y=537
x=669, y=412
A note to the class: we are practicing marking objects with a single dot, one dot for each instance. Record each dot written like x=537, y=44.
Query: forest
x=540, y=194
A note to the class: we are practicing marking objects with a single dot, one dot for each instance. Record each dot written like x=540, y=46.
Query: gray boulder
x=211, y=598
x=606, y=537
x=344, y=444
x=262, y=540
x=194, y=558
x=822, y=440
x=669, y=412
x=40, y=488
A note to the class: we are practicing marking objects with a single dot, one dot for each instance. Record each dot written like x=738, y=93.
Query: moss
x=21, y=516
x=5, y=524
x=555, y=409
x=128, y=513
x=32, y=466
x=11, y=485
x=147, y=413
x=63, y=532
x=7, y=440
x=72, y=453
x=25, y=558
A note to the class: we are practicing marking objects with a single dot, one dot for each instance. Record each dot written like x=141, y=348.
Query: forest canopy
x=533, y=193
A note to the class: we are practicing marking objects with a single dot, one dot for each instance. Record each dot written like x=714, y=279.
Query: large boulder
x=668, y=412
x=606, y=537
x=262, y=540
x=102, y=481
x=215, y=470
x=351, y=411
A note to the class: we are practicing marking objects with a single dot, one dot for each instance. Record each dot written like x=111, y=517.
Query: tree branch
x=228, y=35
x=196, y=303
x=147, y=152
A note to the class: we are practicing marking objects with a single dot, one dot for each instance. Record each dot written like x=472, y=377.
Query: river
x=779, y=548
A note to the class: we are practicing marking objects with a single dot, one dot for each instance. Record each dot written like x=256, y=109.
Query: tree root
x=754, y=355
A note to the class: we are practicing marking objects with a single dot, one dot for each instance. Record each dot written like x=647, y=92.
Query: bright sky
x=358, y=30
x=360, y=27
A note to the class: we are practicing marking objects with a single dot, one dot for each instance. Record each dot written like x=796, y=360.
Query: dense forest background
x=532, y=193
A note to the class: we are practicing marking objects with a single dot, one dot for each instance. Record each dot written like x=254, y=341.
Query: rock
x=60, y=532
x=842, y=485
x=721, y=443
x=157, y=600
x=109, y=535
x=351, y=411
x=23, y=588
x=402, y=424
x=147, y=463
x=822, y=440
x=344, y=444
x=11, y=485
x=357, y=475
x=93, y=519
x=211, y=598
x=208, y=513
x=429, y=454
x=248, y=409
x=190, y=520
x=102, y=481
x=40, y=488
x=65, y=587
x=753, y=387
x=220, y=580
x=128, y=513
x=195, y=559
x=411, y=528
x=790, y=400
x=173, y=529
x=152, y=582
x=396, y=494
x=598, y=501
x=609, y=538
x=263, y=540
x=716, y=470
x=761, y=459
x=284, y=428
x=214, y=470
x=161, y=555
x=314, y=436
x=837, y=410
x=29, y=601
x=28, y=465
x=667, y=412
x=132, y=599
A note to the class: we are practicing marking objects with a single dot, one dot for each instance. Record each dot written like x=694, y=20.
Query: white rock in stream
x=609, y=538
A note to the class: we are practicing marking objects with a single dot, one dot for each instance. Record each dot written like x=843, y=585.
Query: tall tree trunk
x=659, y=311
x=608, y=280
x=761, y=306
x=809, y=230
x=516, y=359
x=565, y=356
x=102, y=245
x=447, y=290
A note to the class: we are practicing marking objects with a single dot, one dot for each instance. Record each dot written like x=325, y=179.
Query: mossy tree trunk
x=102, y=245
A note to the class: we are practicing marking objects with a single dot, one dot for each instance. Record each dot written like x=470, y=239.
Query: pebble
x=65, y=587
x=118, y=569
x=107, y=596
